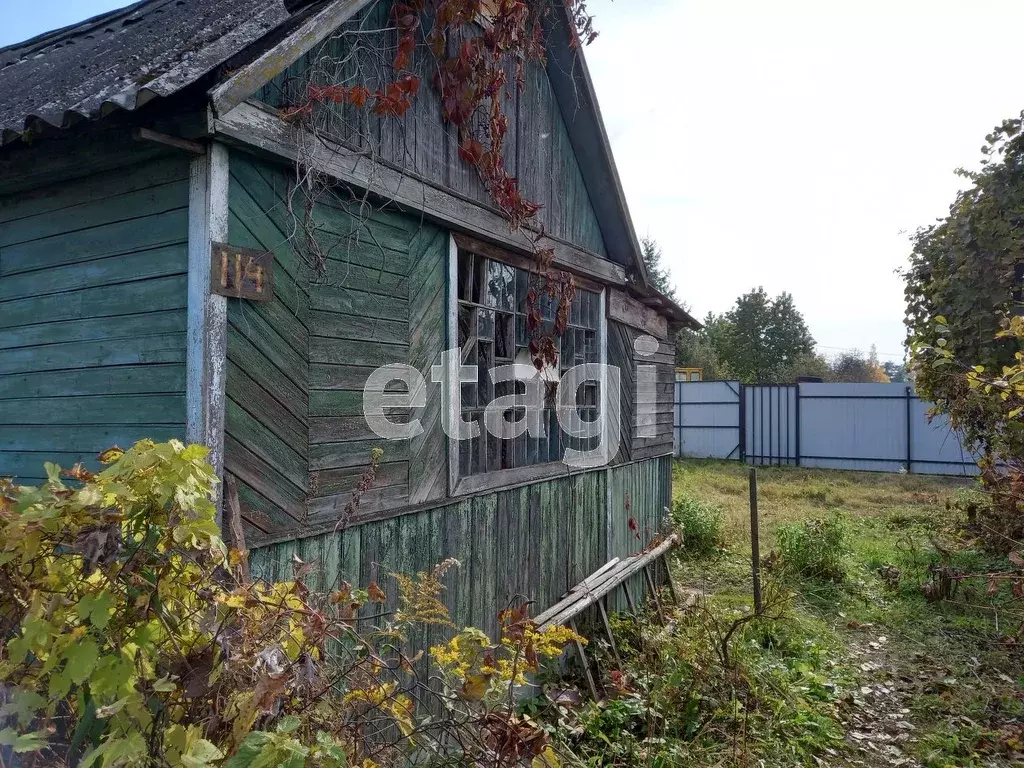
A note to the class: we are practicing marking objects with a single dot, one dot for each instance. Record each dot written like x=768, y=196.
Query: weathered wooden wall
x=380, y=301
x=537, y=149
x=92, y=315
x=656, y=415
x=529, y=543
x=266, y=441
x=295, y=432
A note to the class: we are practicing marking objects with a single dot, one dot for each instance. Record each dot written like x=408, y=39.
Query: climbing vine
x=478, y=51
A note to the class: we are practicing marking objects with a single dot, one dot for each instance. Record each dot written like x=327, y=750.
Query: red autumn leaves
x=393, y=101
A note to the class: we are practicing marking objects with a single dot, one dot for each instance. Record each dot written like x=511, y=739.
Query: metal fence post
x=797, y=421
x=910, y=429
x=743, y=422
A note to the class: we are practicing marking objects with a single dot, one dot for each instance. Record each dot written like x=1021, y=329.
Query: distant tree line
x=763, y=340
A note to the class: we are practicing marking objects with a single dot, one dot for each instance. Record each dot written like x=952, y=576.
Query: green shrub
x=702, y=526
x=131, y=637
x=818, y=547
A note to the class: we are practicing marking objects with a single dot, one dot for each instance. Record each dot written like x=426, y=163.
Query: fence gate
x=707, y=422
x=770, y=414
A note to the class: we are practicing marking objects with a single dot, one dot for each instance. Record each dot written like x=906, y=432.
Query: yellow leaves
x=232, y=600
x=475, y=687
x=546, y=759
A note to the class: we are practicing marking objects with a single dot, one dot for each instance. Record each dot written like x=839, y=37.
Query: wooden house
x=135, y=141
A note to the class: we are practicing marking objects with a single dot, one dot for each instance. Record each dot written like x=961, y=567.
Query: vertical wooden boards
x=266, y=424
x=538, y=151
x=526, y=544
x=93, y=314
x=638, y=492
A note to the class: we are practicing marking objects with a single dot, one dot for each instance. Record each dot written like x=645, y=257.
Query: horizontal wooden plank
x=264, y=478
x=168, y=348
x=107, y=301
x=349, y=301
x=257, y=128
x=347, y=377
x=355, y=453
x=100, y=186
x=265, y=408
x=78, y=218
x=627, y=310
x=91, y=439
x=330, y=509
x=25, y=465
x=338, y=429
x=358, y=353
x=329, y=482
x=95, y=329
x=115, y=380
x=335, y=402
x=333, y=325
x=366, y=247
x=143, y=233
x=158, y=262
x=352, y=276
x=143, y=351
x=95, y=409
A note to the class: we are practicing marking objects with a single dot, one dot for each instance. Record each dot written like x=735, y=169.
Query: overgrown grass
x=714, y=689
x=957, y=661
x=701, y=525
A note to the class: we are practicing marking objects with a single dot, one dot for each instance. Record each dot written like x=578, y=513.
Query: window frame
x=503, y=478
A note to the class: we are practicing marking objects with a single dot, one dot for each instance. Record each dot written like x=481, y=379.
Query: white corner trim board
x=206, y=356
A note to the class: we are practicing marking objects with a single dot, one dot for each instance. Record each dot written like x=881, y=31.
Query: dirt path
x=876, y=712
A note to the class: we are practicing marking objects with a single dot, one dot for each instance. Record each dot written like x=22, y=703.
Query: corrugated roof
x=125, y=58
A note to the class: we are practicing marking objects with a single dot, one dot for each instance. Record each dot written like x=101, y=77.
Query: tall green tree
x=698, y=349
x=763, y=337
x=659, y=274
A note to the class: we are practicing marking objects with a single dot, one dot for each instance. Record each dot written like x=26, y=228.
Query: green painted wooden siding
x=266, y=431
x=537, y=148
x=380, y=301
x=92, y=315
x=529, y=543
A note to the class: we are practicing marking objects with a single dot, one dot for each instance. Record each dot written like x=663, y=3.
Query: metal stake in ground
x=755, y=545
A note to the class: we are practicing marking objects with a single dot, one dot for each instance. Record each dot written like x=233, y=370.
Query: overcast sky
x=791, y=143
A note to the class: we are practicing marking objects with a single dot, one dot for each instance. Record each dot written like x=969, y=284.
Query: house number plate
x=242, y=273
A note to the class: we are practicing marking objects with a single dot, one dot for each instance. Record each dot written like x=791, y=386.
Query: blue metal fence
x=875, y=427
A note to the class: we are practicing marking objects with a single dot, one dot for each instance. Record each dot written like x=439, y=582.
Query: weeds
x=716, y=687
x=817, y=548
x=701, y=524
x=948, y=672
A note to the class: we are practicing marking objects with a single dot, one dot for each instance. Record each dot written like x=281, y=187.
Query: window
x=491, y=325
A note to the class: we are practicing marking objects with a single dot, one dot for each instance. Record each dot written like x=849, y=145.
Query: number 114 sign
x=242, y=273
